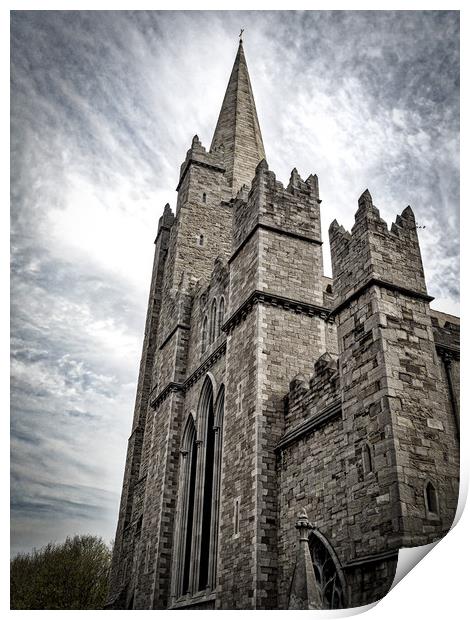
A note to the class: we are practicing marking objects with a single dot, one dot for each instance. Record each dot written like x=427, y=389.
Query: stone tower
x=267, y=390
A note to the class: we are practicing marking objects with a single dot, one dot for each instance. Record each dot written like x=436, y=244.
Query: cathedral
x=291, y=431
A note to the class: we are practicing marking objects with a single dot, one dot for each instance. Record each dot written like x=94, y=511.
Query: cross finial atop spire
x=241, y=35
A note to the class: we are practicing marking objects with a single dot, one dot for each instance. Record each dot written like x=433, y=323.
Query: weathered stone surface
x=283, y=391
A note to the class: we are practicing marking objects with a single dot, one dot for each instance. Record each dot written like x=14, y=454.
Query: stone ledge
x=373, y=558
x=382, y=284
x=196, y=599
x=176, y=327
x=447, y=352
x=193, y=377
x=197, y=162
x=310, y=424
x=272, y=299
x=280, y=231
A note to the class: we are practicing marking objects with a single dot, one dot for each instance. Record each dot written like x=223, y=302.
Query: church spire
x=237, y=131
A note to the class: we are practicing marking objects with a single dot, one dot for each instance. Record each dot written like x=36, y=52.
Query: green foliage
x=71, y=575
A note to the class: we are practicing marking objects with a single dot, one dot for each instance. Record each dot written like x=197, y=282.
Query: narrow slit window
x=367, y=459
x=239, y=398
x=431, y=498
x=212, y=330
x=204, y=197
x=221, y=315
x=200, y=240
x=236, y=517
x=204, y=335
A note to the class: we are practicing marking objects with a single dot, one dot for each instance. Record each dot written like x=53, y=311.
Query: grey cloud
x=103, y=108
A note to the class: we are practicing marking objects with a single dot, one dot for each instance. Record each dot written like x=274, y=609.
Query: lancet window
x=198, y=512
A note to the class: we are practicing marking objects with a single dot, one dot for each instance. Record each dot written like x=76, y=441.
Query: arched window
x=204, y=197
x=367, y=462
x=213, y=321
x=187, y=513
x=206, y=500
x=204, y=335
x=430, y=496
x=199, y=506
x=328, y=572
x=221, y=315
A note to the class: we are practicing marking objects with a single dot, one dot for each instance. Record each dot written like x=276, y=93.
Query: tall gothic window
x=221, y=316
x=189, y=467
x=328, y=573
x=213, y=321
x=198, y=512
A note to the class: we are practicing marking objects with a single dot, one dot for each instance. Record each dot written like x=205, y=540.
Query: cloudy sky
x=104, y=106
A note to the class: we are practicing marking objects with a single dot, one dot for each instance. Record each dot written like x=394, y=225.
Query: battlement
x=309, y=397
x=199, y=155
x=372, y=251
x=293, y=209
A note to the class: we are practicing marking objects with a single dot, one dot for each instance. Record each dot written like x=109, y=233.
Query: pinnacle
x=408, y=213
x=263, y=165
x=365, y=199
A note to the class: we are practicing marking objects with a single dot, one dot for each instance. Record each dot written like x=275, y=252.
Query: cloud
x=103, y=108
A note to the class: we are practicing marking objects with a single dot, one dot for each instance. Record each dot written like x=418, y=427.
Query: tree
x=70, y=575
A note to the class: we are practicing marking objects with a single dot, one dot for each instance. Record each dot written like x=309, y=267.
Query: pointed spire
x=238, y=127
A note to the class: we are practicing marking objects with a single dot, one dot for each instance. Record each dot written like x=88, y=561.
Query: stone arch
x=328, y=572
x=218, y=457
x=184, y=529
x=204, y=487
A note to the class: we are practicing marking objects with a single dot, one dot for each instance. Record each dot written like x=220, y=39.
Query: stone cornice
x=272, y=299
x=193, y=377
x=175, y=328
x=198, y=162
x=206, y=364
x=310, y=424
x=280, y=231
x=372, y=558
x=382, y=284
x=447, y=352
x=170, y=388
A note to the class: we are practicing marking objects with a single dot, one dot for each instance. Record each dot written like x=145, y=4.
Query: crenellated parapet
x=198, y=155
x=310, y=398
x=293, y=209
x=373, y=252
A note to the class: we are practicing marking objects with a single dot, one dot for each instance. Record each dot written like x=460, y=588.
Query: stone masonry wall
x=392, y=391
x=136, y=441
x=267, y=344
x=236, y=558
